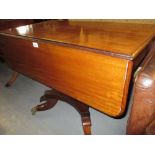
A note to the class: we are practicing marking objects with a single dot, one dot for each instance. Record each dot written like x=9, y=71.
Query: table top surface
x=118, y=38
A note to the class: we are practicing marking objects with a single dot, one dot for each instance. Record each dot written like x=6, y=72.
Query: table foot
x=12, y=80
x=86, y=123
x=52, y=96
x=47, y=104
x=44, y=106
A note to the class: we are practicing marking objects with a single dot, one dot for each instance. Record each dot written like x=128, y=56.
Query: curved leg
x=51, y=97
x=12, y=80
x=48, y=103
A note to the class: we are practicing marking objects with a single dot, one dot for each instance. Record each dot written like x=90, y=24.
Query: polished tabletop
x=118, y=38
x=62, y=55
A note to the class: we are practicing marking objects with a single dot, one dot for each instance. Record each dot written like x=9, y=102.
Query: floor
x=16, y=118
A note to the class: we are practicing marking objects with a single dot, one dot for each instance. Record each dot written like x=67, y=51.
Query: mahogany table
x=88, y=64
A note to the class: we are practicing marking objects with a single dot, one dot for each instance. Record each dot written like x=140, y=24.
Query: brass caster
x=87, y=130
x=34, y=110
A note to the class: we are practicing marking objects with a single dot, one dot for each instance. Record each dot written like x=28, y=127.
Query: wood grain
x=89, y=61
x=117, y=38
x=98, y=80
